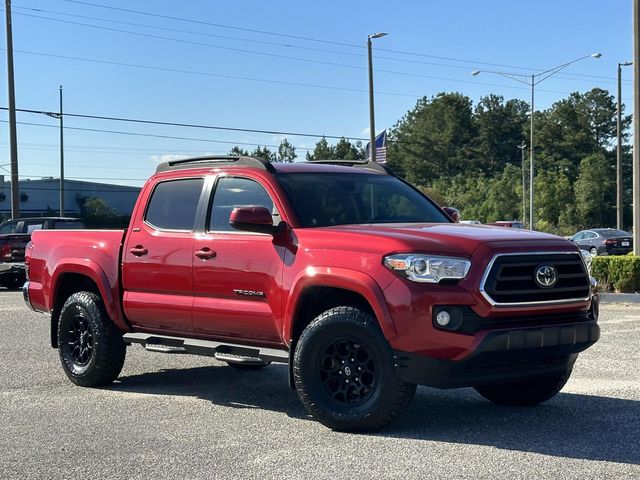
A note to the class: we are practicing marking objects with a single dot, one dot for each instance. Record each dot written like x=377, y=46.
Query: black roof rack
x=216, y=161
x=376, y=167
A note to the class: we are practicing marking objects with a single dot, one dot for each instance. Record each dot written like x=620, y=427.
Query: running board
x=158, y=343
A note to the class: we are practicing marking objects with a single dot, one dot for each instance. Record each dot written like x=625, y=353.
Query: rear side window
x=9, y=227
x=173, y=204
x=232, y=192
x=67, y=225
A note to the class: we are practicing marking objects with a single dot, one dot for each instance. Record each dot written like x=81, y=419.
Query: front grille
x=472, y=322
x=510, y=279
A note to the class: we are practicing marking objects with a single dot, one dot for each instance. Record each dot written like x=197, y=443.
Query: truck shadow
x=571, y=425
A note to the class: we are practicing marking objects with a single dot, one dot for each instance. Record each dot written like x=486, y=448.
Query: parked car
x=15, y=235
x=508, y=223
x=348, y=274
x=604, y=241
x=471, y=222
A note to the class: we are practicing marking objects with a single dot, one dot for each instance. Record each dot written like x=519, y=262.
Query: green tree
x=322, y=151
x=238, y=152
x=286, y=152
x=345, y=150
x=500, y=128
x=434, y=139
x=264, y=152
x=595, y=192
x=96, y=213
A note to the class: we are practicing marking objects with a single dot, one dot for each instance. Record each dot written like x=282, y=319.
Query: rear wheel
x=91, y=348
x=344, y=374
x=525, y=393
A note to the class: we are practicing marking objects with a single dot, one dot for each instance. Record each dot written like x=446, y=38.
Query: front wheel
x=593, y=251
x=344, y=372
x=525, y=393
x=90, y=346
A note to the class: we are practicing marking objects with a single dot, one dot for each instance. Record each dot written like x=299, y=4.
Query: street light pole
x=522, y=148
x=532, y=81
x=61, y=158
x=619, y=187
x=13, y=137
x=372, y=121
x=532, y=215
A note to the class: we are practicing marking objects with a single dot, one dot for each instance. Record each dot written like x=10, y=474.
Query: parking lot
x=176, y=416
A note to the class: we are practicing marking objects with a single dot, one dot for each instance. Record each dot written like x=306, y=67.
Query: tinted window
x=9, y=227
x=67, y=225
x=232, y=192
x=590, y=235
x=323, y=199
x=613, y=233
x=173, y=204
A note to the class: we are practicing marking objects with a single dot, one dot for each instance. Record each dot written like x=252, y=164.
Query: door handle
x=205, y=254
x=138, y=251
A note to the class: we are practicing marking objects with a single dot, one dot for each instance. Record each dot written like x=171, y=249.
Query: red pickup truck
x=351, y=276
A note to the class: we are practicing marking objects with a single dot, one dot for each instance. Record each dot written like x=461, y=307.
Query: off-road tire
x=369, y=403
x=100, y=364
x=525, y=393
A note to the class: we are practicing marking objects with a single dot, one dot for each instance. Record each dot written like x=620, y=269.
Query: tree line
x=472, y=157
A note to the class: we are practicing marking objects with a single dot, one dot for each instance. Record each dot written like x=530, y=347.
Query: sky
x=280, y=66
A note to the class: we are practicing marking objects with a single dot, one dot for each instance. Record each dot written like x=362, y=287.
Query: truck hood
x=452, y=238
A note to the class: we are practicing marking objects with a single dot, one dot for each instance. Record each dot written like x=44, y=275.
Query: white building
x=42, y=197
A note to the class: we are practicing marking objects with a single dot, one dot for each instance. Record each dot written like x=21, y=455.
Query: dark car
x=604, y=241
x=14, y=236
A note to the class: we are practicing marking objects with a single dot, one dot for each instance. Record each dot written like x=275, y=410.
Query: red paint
x=246, y=286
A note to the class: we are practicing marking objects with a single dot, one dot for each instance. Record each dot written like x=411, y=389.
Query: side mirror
x=252, y=219
x=453, y=213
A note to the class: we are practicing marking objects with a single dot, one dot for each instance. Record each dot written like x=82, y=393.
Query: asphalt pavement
x=178, y=416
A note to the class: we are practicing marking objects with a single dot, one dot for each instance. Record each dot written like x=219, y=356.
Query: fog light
x=443, y=318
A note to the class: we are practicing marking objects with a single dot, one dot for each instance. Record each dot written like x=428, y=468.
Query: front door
x=236, y=274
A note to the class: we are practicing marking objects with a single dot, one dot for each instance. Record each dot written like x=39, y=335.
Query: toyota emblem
x=546, y=276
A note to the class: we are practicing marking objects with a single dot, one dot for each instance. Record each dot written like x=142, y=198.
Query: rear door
x=156, y=261
x=237, y=274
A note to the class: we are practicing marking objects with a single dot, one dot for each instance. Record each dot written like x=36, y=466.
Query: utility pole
x=636, y=128
x=61, y=158
x=13, y=137
x=619, y=186
x=522, y=148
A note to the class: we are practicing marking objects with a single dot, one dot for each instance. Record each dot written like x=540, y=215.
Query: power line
x=186, y=125
x=314, y=49
x=274, y=55
x=316, y=40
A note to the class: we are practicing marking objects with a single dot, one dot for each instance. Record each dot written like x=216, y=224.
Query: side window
x=233, y=192
x=173, y=204
x=9, y=227
x=578, y=236
x=590, y=235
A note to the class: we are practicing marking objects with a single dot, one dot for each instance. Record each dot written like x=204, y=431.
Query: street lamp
x=533, y=80
x=372, y=121
x=619, y=150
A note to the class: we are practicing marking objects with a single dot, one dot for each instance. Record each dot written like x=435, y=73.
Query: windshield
x=8, y=227
x=613, y=233
x=324, y=199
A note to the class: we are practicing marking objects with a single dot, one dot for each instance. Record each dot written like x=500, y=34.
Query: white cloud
x=166, y=157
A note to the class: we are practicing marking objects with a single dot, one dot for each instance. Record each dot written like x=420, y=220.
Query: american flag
x=381, y=148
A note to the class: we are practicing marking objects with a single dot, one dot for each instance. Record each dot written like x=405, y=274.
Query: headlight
x=428, y=268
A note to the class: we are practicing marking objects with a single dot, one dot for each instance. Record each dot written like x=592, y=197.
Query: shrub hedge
x=617, y=273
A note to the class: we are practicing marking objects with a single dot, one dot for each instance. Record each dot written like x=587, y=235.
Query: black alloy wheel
x=347, y=372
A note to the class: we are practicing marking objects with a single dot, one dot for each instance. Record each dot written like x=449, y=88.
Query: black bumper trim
x=501, y=356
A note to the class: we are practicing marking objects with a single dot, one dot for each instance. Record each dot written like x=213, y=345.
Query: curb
x=620, y=298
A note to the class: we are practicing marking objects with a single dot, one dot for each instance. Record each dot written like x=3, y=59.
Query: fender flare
x=343, y=278
x=91, y=270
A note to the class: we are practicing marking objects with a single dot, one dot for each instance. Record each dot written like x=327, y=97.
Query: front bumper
x=502, y=355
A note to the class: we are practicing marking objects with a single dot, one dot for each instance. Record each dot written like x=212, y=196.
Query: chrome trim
x=493, y=303
x=25, y=295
